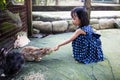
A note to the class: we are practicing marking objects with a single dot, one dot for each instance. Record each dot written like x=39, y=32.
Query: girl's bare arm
x=74, y=36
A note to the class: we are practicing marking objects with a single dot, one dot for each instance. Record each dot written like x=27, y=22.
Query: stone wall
x=65, y=25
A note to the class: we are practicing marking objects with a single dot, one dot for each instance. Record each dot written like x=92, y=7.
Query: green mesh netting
x=60, y=65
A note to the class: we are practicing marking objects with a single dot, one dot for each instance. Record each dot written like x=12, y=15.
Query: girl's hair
x=82, y=15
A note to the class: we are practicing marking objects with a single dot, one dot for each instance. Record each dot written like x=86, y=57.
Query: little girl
x=85, y=42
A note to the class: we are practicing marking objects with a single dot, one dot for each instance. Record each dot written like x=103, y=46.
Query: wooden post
x=33, y=2
x=46, y=2
x=28, y=4
x=87, y=5
x=56, y=2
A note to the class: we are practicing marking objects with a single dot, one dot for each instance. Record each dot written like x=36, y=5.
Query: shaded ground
x=60, y=65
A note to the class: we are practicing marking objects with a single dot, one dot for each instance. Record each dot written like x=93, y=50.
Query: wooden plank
x=52, y=8
x=106, y=8
x=28, y=4
x=69, y=8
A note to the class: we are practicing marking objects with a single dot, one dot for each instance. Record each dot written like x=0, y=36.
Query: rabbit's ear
x=18, y=37
x=3, y=52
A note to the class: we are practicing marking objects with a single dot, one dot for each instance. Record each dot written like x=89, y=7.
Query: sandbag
x=96, y=26
x=106, y=23
x=71, y=27
x=59, y=26
x=44, y=27
x=94, y=21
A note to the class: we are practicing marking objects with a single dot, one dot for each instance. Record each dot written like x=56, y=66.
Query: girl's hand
x=56, y=48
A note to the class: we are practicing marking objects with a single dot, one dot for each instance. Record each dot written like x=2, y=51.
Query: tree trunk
x=87, y=5
x=56, y=2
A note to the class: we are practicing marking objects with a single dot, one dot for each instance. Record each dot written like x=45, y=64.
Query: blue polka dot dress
x=87, y=48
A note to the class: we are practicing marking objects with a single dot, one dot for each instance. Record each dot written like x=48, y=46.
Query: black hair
x=11, y=63
x=82, y=15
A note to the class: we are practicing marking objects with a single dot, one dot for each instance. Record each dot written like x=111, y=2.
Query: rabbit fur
x=10, y=63
x=21, y=40
x=32, y=53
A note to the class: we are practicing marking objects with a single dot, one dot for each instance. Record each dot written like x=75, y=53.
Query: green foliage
x=6, y=26
x=19, y=0
x=2, y=4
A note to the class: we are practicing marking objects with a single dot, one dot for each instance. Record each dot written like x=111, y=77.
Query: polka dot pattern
x=87, y=48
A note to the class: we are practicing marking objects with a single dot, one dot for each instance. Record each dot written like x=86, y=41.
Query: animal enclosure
x=7, y=33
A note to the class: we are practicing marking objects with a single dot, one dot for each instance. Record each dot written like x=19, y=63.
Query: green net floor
x=60, y=65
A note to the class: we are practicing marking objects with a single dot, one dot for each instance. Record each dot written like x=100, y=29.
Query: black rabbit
x=10, y=63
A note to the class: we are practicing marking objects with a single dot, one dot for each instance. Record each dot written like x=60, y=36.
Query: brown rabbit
x=32, y=53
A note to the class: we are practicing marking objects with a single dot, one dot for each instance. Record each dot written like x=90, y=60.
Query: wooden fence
x=7, y=38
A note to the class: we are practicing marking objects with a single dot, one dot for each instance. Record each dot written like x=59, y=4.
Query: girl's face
x=76, y=21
